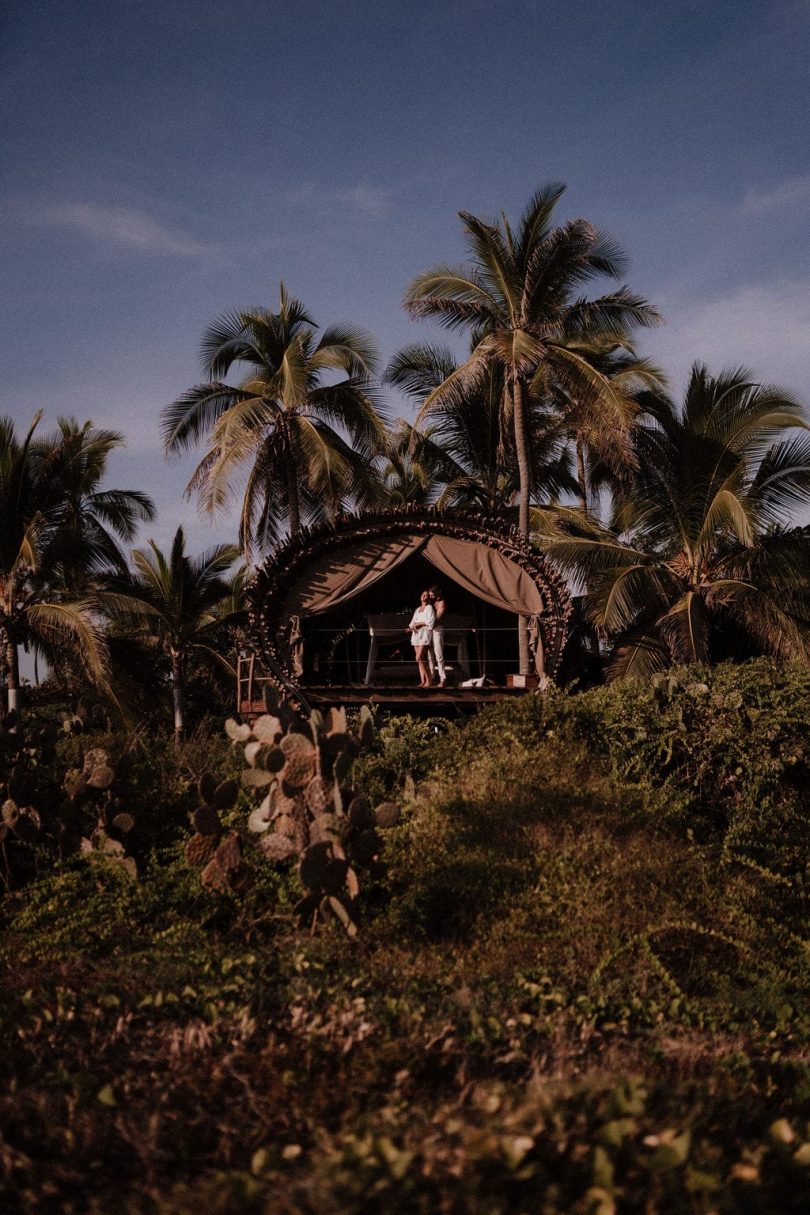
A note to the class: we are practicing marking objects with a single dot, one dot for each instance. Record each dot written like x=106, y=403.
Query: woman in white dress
x=421, y=631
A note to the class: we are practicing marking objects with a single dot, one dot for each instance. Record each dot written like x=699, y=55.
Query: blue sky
x=161, y=163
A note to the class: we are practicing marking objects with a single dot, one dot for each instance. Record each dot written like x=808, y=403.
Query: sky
x=162, y=163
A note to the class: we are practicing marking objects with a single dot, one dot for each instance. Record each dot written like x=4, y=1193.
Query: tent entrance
x=336, y=644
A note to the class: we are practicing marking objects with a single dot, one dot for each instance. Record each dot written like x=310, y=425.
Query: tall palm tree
x=306, y=439
x=468, y=450
x=183, y=604
x=518, y=296
x=58, y=533
x=700, y=544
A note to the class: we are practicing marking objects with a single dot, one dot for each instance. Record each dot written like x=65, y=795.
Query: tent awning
x=483, y=571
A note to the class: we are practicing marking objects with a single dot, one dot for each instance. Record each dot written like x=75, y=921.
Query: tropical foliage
x=465, y=456
x=583, y=980
x=60, y=533
x=699, y=560
x=184, y=605
x=303, y=440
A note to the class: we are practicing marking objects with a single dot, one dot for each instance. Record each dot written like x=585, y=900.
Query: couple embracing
x=427, y=636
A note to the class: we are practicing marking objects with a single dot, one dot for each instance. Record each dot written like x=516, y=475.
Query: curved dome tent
x=326, y=581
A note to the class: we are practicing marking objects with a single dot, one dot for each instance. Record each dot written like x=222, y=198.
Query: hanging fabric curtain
x=333, y=579
x=493, y=577
x=486, y=573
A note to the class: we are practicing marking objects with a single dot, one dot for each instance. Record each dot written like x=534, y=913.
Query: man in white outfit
x=439, y=606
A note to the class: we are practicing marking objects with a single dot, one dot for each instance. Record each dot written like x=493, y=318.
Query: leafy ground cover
x=580, y=987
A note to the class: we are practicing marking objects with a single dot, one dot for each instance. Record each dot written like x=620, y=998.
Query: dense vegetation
x=580, y=985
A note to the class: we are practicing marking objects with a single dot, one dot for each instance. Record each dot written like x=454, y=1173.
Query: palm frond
x=196, y=412
x=495, y=262
x=639, y=656
x=78, y=625
x=457, y=295
x=685, y=628
x=346, y=348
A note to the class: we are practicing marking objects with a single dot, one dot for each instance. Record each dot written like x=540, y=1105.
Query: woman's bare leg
x=424, y=674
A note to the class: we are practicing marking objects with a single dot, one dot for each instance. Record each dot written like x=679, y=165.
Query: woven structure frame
x=273, y=581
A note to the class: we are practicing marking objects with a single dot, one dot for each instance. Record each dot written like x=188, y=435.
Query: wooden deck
x=438, y=702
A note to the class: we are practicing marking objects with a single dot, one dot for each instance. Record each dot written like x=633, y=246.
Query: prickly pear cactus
x=301, y=770
x=89, y=792
x=218, y=852
x=89, y=819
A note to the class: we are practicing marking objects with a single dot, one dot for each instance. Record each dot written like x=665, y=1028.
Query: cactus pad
x=101, y=777
x=225, y=795
x=277, y=847
x=359, y=813
x=366, y=847
x=313, y=863
x=206, y=821
x=299, y=769
x=200, y=849
x=206, y=786
x=387, y=814
x=237, y=731
x=256, y=778
x=333, y=878
x=229, y=853
x=267, y=729
x=319, y=796
x=326, y=828
x=214, y=877
x=11, y=813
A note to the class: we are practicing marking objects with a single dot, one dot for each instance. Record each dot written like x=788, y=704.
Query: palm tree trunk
x=12, y=665
x=522, y=454
x=582, y=477
x=292, y=496
x=177, y=697
x=524, y=493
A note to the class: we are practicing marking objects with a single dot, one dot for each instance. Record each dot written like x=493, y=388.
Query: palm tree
x=184, y=605
x=518, y=298
x=603, y=445
x=467, y=453
x=287, y=418
x=92, y=521
x=58, y=532
x=700, y=545
x=413, y=473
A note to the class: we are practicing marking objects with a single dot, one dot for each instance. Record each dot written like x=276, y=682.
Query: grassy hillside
x=580, y=986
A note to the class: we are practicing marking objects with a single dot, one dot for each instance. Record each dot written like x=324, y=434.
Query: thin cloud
x=792, y=192
x=371, y=200
x=761, y=326
x=362, y=199
x=126, y=227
